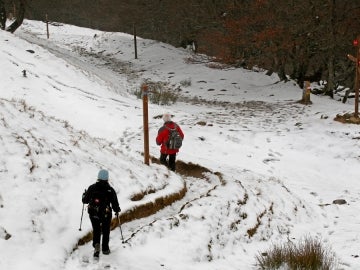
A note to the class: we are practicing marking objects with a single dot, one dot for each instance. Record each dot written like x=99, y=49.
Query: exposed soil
x=347, y=118
x=186, y=169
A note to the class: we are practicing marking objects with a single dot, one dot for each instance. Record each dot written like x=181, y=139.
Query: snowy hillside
x=274, y=167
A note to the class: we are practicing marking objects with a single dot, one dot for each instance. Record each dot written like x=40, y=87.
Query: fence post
x=357, y=73
x=47, y=27
x=135, y=41
x=144, y=89
x=357, y=77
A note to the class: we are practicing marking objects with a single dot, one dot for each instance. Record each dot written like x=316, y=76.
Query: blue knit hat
x=103, y=175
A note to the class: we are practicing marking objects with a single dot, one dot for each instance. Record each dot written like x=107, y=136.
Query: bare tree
x=18, y=19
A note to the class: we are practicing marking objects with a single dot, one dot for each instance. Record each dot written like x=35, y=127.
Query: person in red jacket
x=163, y=138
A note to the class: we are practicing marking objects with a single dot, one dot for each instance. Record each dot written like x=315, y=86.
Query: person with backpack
x=170, y=137
x=101, y=199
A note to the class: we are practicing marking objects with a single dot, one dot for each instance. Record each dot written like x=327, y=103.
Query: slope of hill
x=47, y=162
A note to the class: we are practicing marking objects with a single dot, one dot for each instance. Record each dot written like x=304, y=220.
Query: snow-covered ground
x=275, y=166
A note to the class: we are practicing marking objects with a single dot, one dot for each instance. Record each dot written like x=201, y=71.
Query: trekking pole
x=82, y=213
x=122, y=237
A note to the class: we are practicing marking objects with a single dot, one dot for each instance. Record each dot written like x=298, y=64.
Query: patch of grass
x=309, y=254
x=160, y=93
x=185, y=82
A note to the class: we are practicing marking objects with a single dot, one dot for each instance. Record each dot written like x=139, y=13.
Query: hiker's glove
x=83, y=195
x=117, y=214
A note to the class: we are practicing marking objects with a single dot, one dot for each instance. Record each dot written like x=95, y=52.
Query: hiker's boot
x=97, y=251
x=106, y=251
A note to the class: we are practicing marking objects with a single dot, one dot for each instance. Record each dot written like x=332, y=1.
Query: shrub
x=159, y=93
x=308, y=254
x=185, y=82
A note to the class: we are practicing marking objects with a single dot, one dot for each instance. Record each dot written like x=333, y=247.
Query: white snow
x=75, y=113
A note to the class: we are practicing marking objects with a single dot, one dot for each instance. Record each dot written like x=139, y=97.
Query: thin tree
x=2, y=15
x=18, y=19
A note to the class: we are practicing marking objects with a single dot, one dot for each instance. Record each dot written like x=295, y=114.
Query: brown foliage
x=309, y=254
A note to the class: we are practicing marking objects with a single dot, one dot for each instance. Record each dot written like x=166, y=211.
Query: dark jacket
x=163, y=137
x=103, y=194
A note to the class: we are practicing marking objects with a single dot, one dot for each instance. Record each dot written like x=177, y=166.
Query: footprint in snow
x=268, y=160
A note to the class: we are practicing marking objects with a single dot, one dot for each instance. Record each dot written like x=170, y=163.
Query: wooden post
x=144, y=89
x=356, y=59
x=135, y=42
x=47, y=27
x=357, y=78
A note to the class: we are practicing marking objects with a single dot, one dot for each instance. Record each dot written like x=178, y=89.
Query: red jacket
x=163, y=137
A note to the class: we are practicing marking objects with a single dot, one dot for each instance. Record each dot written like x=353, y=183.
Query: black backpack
x=175, y=140
x=99, y=205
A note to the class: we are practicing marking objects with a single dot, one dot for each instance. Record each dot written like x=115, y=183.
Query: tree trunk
x=299, y=72
x=329, y=91
x=282, y=74
x=19, y=19
x=281, y=70
x=306, y=94
x=2, y=15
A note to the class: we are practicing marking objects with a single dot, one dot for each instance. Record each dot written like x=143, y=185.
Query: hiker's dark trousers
x=101, y=226
x=169, y=163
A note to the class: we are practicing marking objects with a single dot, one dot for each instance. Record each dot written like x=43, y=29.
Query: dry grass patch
x=309, y=254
